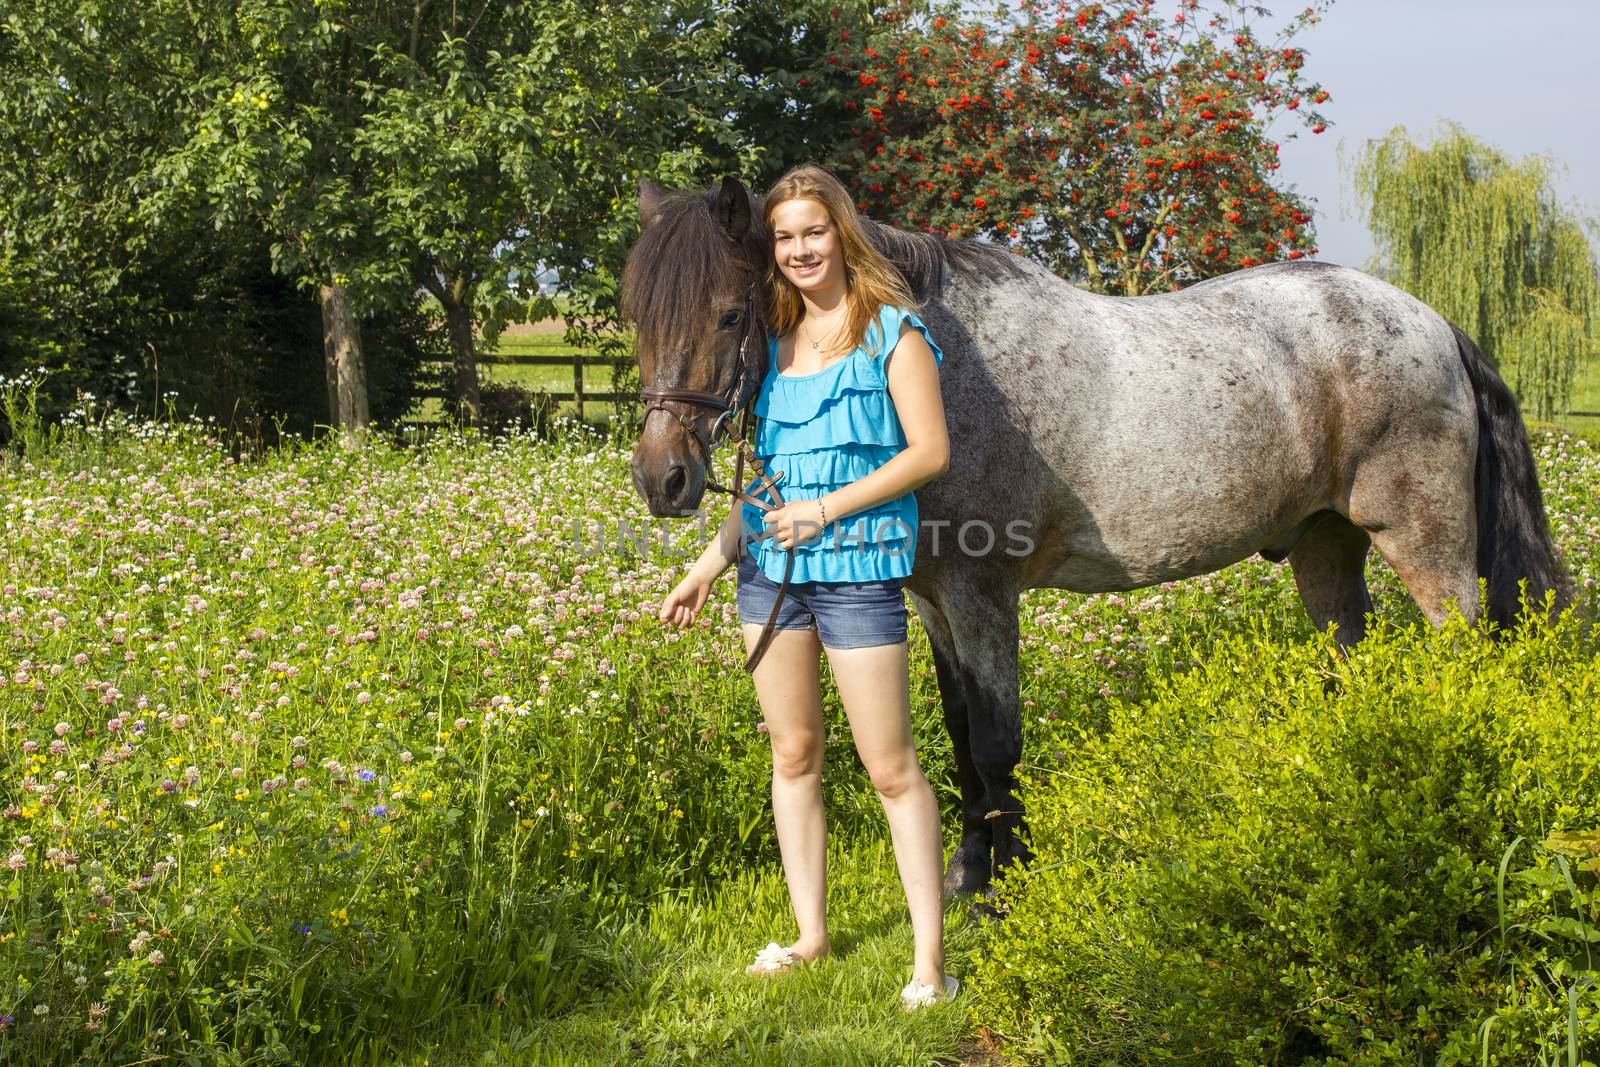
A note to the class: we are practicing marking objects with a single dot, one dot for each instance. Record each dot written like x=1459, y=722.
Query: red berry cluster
x=1122, y=148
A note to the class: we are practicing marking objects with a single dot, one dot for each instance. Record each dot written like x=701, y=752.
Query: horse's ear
x=732, y=209
x=650, y=198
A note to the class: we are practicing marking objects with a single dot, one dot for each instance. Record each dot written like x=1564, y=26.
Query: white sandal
x=916, y=995
x=774, y=959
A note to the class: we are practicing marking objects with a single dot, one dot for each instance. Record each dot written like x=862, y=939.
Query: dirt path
x=980, y=1052
x=524, y=329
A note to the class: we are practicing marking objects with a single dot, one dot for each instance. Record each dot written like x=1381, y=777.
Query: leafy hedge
x=1285, y=857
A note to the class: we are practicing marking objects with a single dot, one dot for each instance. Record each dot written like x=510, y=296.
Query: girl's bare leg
x=873, y=684
x=787, y=687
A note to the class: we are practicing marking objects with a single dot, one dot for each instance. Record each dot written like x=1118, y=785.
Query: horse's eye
x=731, y=319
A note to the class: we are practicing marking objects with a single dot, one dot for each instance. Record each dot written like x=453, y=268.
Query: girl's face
x=805, y=243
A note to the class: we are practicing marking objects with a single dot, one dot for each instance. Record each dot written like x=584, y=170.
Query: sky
x=1519, y=74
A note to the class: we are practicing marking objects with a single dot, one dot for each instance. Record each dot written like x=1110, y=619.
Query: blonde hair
x=871, y=281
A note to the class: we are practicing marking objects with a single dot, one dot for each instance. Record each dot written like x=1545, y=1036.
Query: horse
x=1301, y=410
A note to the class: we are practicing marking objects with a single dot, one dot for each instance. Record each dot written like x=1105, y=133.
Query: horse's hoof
x=963, y=880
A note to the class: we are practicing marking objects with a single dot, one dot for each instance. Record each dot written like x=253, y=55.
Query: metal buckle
x=725, y=417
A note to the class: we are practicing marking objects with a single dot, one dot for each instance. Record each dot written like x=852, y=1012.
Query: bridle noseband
x=734, y=403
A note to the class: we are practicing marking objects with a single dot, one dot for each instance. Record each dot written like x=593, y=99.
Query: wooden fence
x=578, y=394
x=578, y=362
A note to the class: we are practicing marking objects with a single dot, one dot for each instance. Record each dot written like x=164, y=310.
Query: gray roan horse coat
x=1300, y=410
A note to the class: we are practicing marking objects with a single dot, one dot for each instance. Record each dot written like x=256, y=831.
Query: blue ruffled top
x=826, y=430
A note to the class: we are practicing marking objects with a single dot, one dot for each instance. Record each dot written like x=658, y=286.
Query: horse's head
x=692, y=289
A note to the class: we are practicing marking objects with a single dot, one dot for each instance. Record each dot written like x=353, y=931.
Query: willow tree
x=1484, y=241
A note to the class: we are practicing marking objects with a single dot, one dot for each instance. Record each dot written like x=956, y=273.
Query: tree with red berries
x=1123, y=149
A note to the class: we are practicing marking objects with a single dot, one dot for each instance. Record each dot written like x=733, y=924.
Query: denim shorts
x=844, y=614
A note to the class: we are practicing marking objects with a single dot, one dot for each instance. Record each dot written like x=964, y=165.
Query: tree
x=791, y=105
x=76, y=121
x=279, y=98
x=1484, y=241
x=1120, y=148
x=130, y=287
x=510, y=144
x=455, y=147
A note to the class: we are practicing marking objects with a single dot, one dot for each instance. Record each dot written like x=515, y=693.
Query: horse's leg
x=969, y=864
x=983, y=630
x=1417, y=504
x=1329, y=564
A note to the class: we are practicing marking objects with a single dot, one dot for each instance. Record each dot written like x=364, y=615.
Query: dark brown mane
x=678, y=259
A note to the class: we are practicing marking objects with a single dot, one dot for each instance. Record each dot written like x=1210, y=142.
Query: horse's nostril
x=675, y=480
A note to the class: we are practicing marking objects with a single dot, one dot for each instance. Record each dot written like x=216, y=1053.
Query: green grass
x=596, y=377
x=1585, y=397
x=685, y=998
x=355, y=806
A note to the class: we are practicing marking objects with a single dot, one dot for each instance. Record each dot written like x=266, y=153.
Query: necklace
x=816, y=345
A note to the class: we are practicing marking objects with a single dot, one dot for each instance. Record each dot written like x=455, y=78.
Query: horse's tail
x=1513, y=534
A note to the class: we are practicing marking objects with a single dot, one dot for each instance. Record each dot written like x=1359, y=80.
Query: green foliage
x=417, y=753
x=20, y=419
x=575, y=856
x=1283, y=856
x=25, y=325
x=797, y=101
x=1484, y=241
x=379, y=147
x=125, y=284
x=202, y=327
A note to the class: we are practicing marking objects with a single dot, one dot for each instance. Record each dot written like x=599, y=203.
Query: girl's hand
x=795, y=523
x=685, y=601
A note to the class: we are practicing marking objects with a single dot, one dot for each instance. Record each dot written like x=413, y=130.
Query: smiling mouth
x=806, y=268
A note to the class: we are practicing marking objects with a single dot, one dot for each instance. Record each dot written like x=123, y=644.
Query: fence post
x=577, y=382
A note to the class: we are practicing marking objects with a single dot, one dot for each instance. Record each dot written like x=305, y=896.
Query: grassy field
x=382, y=758
x=1585, y=397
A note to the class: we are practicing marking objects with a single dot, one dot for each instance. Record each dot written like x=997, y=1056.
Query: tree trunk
x=464, y=355
x=346, y=367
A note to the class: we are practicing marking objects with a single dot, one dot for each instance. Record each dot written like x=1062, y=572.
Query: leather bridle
x=734, y=403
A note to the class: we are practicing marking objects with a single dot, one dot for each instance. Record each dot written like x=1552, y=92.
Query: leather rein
x=730, y=405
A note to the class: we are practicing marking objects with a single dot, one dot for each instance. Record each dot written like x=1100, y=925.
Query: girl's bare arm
x=723, y=551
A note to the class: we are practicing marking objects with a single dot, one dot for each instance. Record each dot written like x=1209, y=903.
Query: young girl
x=850, y=412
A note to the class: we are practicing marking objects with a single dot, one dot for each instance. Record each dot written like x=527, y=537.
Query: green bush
x=1287, y=857
x=202, y=325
